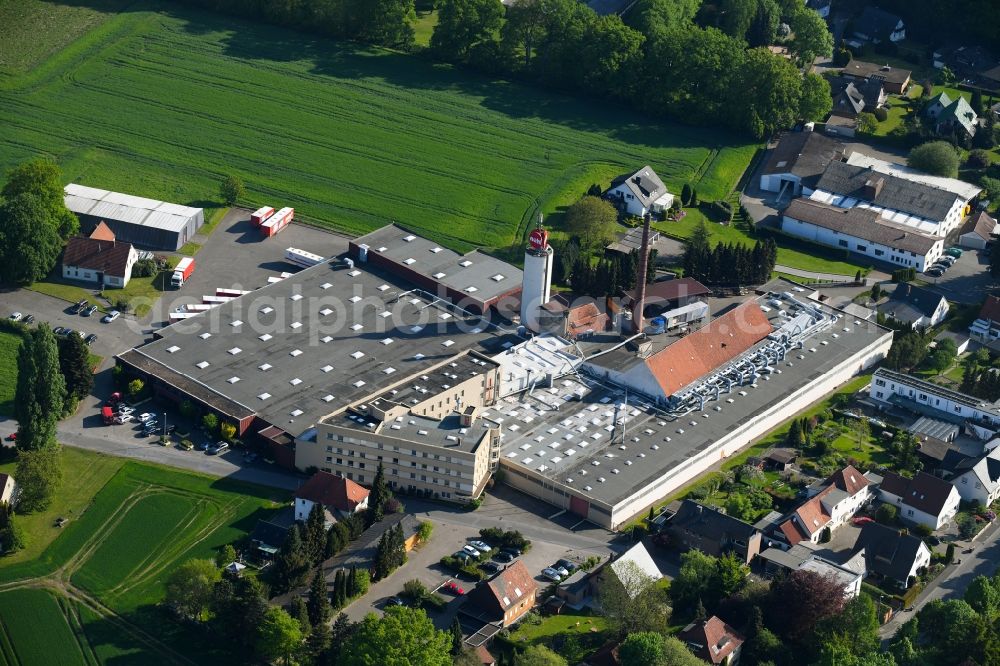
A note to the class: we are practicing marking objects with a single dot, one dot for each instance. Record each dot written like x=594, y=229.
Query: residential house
x=894, y=80
x=923, y=500
x=836, y=502
x=629, y=569
x=852, y=96
x=981, y=484
x=892, y=554
x=8, y=489
x=99, y=258
x=951, y=115
x=979, y=232
x=269, y=536
x=336, y=494
x=705, y=528
x=505, y=597
x=821, y=7
x=641, y=193
x=795, y=164
x=713, y=641
x=802, y=557
x=917, y=306
x=484, y=656
x=986, y=328
x=877, y=25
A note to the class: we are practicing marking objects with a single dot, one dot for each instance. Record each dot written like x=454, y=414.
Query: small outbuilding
x=979, y=232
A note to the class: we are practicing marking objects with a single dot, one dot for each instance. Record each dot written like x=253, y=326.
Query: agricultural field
x=10, y=343
x=163, y=104
x=95, y=587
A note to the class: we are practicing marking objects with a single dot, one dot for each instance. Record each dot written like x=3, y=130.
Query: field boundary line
x=66, y=608
x=7, y=645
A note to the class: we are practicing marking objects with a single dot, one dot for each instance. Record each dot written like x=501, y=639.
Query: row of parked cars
x=558, y=571
x=951, y=255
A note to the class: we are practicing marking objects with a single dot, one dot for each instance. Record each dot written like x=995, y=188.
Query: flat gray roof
x=560, y=432
x=447, y=433
x=479, y=275
x=299, y=349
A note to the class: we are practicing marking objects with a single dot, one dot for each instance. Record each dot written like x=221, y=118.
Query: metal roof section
x=129, y=208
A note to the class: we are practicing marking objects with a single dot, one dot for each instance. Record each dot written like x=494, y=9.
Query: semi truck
x=272, y=225
x=183, y=270
x=261, y=214
x=294, y=255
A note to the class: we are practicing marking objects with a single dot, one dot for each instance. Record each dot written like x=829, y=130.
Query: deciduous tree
x=29, y=240
x=401, y=636
x=463, y=24
x=803, y=599
x=938, y=158
x=592, y=220
x=631, y=600
x=539, y=655
x=812, y=37
x=231, y=189
x=644, y=648
x=42, y=178
x=38, y=474
x=816, y=102
x=279, y=635
x=190, y=588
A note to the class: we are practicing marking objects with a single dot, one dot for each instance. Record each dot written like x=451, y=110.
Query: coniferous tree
x=378, y=496
x=40, y=396
x=292, y=562
x=74, y=364
x=315, y=533
x=318, y=605
x=456, y=637
x=352, y=583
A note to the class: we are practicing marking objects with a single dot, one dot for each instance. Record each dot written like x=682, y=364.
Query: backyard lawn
x=572, y=634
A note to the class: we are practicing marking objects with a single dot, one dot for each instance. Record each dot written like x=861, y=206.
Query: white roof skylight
x=439, y=275
x=236, y=323
x=416, y=329
x=410, y=238
x=359, y=383
x=296, y=412
x=356, y=327
x=328, y=398
x=233, y=379
x=296, y=324
x=389, y=371
x=465, y=263
x=327, y=368
x=418, y=356
x=471, y=289
x=296, y=297
x=295, y=382
x=205, y=336
x=264, y=396
x=355, y=273
x=325, y=285
x=295, y=352
x=326, y=311
x=357, y=354
x=264, y=367
x=354, y=299
x=202, y=364
x=447, y=343
x=265, y=337
x=235, y=350
x=267, y=309
x=387, y=341
x=435, y=250
x=383, y=287
x=326, y=338
x=172, y=349
x=497, y=278
x=409, y=260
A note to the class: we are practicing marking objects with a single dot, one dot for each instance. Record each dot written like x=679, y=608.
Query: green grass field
x=130, y=525
x=35, y=630
x=9, y=346
x=163, y=104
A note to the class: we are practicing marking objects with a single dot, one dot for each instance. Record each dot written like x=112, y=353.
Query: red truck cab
x=108, y=415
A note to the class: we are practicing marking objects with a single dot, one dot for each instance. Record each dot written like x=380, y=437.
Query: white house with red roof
x=713, y=641
x=335, y=493
x=839, y=498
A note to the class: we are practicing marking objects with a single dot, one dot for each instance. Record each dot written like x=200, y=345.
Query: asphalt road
x=954, y=580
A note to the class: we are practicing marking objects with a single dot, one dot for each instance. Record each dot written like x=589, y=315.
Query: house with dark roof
x=797, y=161
x=851, y=96
x=640, y=193
x=986, y=327
x=978, y=232
x=713, y=641
x=877, y=25
x=667, y=295
x=99, y=258
x=951, y=115
x=922, y=500
x=505, y=597
x=336, y=494
x=891, y=554
x=922, y=206
x=894, y=79
x=917, y=306
x=836, y=501
x=696, y=526
x=861, y=230
x=981, y=483
x=268, y=536
x=775, y=560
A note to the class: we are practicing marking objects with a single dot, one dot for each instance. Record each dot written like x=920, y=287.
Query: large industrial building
x=143, y=222
x=344, y=367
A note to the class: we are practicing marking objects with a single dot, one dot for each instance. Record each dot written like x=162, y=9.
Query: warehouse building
x=143, y=222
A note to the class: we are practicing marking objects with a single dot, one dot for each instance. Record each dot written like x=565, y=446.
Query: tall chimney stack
x=640, y=277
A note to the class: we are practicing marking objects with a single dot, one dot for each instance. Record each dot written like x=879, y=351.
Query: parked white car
x=145, y=416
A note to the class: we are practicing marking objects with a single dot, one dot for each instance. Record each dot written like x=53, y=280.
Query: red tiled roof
x=102, y=232
x=792, y=532
x=332, y=490
x=583, y=318
x=713, y=640
x=991, y=309
x=107, y=257
x=706, y=349
x=484, y=656
x=513, y=584
x=849, y=479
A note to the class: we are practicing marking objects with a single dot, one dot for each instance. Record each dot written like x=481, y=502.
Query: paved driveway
x=968, y=281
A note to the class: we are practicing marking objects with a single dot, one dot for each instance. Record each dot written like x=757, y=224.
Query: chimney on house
x=640, y=277
x=872, y=187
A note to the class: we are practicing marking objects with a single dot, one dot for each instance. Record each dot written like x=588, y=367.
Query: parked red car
x=453, y=588
x=861, y=520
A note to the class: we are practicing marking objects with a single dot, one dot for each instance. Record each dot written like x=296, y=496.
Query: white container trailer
x=302, y=258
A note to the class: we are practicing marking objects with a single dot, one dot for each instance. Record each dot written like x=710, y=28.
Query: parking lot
x=968, y=281
x=561, y=537
x=236, y=256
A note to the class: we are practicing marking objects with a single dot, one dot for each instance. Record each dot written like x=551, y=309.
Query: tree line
x=728, y=263
x=715, y=71
x=980, y=378
x=611, y=275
